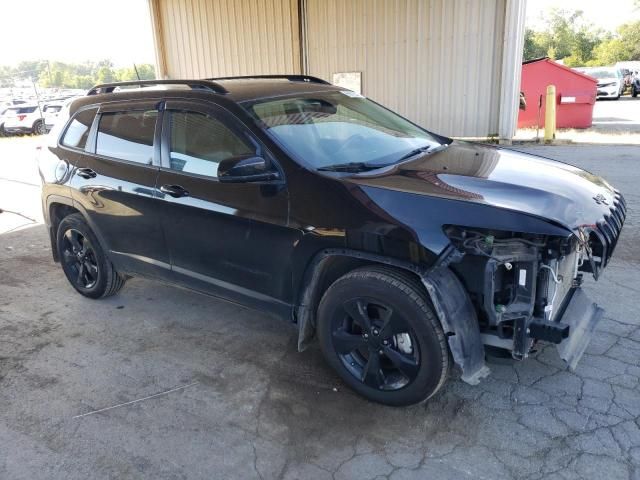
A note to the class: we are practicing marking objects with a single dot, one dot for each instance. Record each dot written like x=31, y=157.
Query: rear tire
x=84, y=261
x=378, y=330
x=39, y=128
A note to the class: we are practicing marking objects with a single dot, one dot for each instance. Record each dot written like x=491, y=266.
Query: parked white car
x=24, y=119
x=2, y=112
x=51, y=112
x=610, y=81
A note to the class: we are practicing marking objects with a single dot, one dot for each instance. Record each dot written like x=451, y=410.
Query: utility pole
x=49, y=73
x=37, y=97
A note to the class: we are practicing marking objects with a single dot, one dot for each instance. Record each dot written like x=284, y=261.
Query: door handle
x=176, y=191
x=86, y=173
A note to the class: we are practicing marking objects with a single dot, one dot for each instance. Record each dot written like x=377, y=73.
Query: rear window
x=21, y=110
x=78, y=129
x=127, y=135
x=53, y=108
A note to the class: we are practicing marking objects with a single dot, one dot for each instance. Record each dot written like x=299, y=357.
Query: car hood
x=602, y=81
x=507, y=179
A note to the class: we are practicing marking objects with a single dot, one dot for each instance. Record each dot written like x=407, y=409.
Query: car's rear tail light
x=21, y=117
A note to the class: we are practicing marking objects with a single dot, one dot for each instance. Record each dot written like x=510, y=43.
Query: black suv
x=404, y=251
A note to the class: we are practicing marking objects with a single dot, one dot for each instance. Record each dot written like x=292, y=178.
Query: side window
x=127, y=135
x=200, y=142
x=78, y=130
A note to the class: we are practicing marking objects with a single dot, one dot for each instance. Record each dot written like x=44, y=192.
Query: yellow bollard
x=550, y=114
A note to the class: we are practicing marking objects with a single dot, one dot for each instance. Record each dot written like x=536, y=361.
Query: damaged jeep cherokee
x=403, y=252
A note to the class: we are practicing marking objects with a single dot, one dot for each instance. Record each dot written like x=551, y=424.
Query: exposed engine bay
x=525, y=289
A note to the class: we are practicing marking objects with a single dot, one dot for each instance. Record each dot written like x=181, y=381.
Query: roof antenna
x=136, y=69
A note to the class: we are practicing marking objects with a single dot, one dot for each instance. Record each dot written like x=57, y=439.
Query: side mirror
x=246, y=169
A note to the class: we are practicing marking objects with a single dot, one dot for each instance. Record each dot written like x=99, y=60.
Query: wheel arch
x=448, y=296
x=59, y=207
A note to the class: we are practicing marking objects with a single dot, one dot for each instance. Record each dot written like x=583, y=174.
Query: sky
x=76, y=31
x=606, y=14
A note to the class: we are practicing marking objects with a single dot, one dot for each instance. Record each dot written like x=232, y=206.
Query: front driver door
x=228, y=239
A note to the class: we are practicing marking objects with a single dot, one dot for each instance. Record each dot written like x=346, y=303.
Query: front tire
x=378, y=330
x=84, y=261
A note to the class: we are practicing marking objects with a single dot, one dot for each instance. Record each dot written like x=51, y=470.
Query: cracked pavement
x=253, y=407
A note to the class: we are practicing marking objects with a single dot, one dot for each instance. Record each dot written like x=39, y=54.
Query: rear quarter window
x=77, y=132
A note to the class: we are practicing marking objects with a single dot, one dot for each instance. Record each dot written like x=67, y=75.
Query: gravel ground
x=189, y=387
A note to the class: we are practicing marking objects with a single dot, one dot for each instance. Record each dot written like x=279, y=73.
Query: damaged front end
x=525, y=289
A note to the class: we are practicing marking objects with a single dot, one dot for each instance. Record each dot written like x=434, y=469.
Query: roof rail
x=291, y=78
x=195, y=84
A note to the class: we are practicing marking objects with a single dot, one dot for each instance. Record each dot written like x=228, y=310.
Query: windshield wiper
x=353, y=167
x=414, y=152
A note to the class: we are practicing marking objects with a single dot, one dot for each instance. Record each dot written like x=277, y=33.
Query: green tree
x=565, y=36
x=532, y=48
x=623, y=46
x=630, y=36
x=72, y=75
x=608, y=53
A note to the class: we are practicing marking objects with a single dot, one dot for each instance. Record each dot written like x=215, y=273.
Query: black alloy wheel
x=375, y=344
x=79, y=259
x=84, y=261
x=379, y=332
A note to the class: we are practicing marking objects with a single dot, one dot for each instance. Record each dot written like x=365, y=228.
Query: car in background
x=635, y=84
x=4, y=106
x=610, y=81
x=11, y=103
x=24, y=119
x=2, y=114
x=51, y=112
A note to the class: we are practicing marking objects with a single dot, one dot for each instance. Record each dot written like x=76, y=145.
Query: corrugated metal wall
x=207, y=38
x=450, y=65
x=438, y=62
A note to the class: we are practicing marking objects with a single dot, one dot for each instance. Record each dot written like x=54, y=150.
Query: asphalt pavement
x=163, y=383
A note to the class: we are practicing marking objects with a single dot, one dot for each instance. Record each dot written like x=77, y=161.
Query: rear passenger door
x=228, y=239
x=115, y=183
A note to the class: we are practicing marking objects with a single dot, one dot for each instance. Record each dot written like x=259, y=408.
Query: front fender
x=447, y=294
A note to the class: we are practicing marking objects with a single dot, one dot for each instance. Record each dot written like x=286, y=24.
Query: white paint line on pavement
x=136, y=401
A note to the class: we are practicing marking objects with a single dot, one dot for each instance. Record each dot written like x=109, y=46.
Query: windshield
x=600, y=74
x=339, y=127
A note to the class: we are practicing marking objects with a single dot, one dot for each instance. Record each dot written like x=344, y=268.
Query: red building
x=575, y=91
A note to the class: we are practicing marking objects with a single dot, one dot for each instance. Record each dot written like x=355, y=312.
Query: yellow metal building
x=452, y=66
